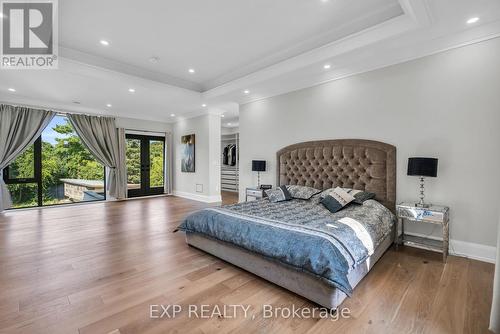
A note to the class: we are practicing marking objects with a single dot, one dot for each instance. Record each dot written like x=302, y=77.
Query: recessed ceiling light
x=204, y=105
x=324, y=0
x=246, y=91
x=229, y=124
x=327, y=66
x=131, y=90
x=191, y=70
x=109, y=105
x=11, y=90
x=172, y=115
x=472, y=20
x=222, y=116
x=104, y=42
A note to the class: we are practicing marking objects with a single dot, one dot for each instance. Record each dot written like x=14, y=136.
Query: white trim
x=145, y=133
x=199, y=198
x=143, y=197
x=466, y=249
x=474, y=251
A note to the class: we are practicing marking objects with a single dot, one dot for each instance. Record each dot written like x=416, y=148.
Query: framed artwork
x=188, y=151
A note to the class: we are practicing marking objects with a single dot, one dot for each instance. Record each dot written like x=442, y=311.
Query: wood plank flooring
x=97, y=269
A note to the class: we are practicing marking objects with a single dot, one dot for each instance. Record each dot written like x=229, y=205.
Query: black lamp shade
x=422, y=167
x=258, y=165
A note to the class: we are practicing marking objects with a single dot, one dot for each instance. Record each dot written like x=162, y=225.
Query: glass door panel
x=133, y=163
x=157, y=162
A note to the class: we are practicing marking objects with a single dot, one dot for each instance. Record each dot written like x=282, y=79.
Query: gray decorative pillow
x=302, y=192
x=337, y=199
x=278, y=195
x=359, y=195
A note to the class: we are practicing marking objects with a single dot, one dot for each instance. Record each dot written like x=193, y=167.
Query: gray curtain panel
x=495, y=306
x=19, y=128
x=169, y=157
x=122, y=165
x=102, y=138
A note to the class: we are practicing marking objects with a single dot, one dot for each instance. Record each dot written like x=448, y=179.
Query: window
x=22, y=177
x=56, y=169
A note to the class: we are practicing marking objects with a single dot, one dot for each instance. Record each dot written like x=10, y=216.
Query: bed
x=298, y=244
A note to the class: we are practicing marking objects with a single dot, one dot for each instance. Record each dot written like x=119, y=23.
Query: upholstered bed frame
x=349, y=163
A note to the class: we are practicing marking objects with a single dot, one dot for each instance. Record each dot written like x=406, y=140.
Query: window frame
x=37, y=173
x=37, y=179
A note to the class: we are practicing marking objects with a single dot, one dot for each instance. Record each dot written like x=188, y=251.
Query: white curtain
x=19, y=128
x=495, y=306
x=106, y=143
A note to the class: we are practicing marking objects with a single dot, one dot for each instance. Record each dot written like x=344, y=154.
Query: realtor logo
x=29, y=34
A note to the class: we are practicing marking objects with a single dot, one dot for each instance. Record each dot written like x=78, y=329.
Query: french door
x=145, y=165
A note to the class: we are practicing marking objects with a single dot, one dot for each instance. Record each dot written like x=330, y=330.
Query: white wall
x=207, y=129
x=445, y=106
x=142, y=125
x=230, y=131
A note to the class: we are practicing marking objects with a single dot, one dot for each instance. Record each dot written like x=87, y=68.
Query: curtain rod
x=147, y=131
x=64, y=112
x=58, y=112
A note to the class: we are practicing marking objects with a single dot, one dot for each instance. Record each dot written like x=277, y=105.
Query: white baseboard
x=198, y=197
x=467, y=249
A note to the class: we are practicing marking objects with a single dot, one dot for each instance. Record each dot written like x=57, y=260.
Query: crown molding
x=391, y=28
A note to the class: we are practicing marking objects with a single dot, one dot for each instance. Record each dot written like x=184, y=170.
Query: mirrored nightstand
x=408, y=212
x=256, y=193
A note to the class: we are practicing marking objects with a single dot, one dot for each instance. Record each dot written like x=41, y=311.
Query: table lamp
x=258, y=166
x=422, y=167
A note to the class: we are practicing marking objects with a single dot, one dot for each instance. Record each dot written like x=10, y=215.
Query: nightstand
x=408, y=212
x=256, y=193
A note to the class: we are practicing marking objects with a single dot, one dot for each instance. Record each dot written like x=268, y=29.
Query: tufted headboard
x=348, y=163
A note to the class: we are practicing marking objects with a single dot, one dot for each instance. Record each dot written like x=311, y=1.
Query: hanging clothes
x=233, y=155
x=230, y=155
x=225, y=155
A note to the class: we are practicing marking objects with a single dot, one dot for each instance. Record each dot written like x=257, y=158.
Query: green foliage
x=133, y=155
x=156, y=152
x=67, y=159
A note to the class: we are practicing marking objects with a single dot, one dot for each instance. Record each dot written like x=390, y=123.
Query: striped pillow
x=359, y=195
x=337, y=199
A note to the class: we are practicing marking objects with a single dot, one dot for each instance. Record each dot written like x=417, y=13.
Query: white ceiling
x=218, y=38
x=266, y=47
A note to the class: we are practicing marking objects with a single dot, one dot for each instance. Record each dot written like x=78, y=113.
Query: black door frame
x=145, y=189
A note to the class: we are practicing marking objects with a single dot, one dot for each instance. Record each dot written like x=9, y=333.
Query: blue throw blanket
x=300, y=233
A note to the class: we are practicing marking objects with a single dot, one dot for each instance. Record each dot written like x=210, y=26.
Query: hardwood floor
x=97, y=269
x=229, y=197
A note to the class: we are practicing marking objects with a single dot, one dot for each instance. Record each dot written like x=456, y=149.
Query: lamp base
x=421, y=203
